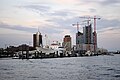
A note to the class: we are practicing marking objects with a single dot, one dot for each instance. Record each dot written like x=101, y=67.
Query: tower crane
x=88, y=36
x=95, y=36
x=88, y=21
x=77, y=24
x=78, y=32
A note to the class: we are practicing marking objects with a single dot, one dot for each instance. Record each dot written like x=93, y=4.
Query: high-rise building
x=88, y=35
x=85, y=40
x=67, y=43
x=79, y=41
x=37, y=40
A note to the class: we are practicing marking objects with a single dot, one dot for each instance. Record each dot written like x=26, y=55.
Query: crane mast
x=95, y=36
x=77, y=24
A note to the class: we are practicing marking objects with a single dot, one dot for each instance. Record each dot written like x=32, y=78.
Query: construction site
x=86, y=41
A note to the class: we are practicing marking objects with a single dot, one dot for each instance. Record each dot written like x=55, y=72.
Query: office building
x=37, y=40
x=67, y=42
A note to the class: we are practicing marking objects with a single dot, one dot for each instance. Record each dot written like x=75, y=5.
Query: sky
x=20, y=19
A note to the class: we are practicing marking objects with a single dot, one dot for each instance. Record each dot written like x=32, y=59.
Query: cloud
x=61, y=13
x=17, y=27
x=110, y=2
x=109, y=38
x=101, y=31
x=64, y=22
x=92, y=10
x=50, y=30
x=101, y=2
x=12, y=35
x=104, y=23
x=67, y=23
x=15, y=39
x=45, y=29
x=65, y=2
x=38, y=8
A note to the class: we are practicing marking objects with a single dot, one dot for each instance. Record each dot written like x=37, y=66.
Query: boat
x=110, y=54
x=16, y=57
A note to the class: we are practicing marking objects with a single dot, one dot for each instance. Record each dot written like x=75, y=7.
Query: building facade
x=79, y=41
x=67, y=43
x=86, y=40
x=37, y=40
x=88, y=35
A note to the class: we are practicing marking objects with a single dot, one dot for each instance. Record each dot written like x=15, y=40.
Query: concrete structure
x=79, y=41
x=67, y=43
x=85, y=41
x=37, y=40
x=87, y=33
x=95, y=41
x=88, y=38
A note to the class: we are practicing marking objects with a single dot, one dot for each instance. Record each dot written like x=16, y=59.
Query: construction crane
x=88, y=21
x=77, y=24
x=88, y=36
x=95, y=36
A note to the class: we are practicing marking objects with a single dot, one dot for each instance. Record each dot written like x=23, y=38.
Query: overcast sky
x=19, y=19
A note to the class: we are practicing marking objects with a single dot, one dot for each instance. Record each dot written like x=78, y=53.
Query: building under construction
x=85, y=41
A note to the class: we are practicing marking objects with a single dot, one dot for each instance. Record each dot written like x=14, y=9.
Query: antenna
x=38, y=29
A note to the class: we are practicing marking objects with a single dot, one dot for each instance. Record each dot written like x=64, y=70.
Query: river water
x=73, y=68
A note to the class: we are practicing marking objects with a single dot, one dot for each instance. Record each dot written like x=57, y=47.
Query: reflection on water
x=75, y=68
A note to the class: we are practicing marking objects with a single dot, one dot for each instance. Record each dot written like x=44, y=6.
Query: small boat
x=111, y=54
x=15, y=57
x=88, y=53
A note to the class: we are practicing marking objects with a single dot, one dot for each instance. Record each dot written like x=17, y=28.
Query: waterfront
x=74, y=68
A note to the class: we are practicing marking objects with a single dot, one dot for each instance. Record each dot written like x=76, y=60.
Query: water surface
x=74, y=68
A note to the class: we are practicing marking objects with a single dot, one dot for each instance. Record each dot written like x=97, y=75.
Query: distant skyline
x=20, y=19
